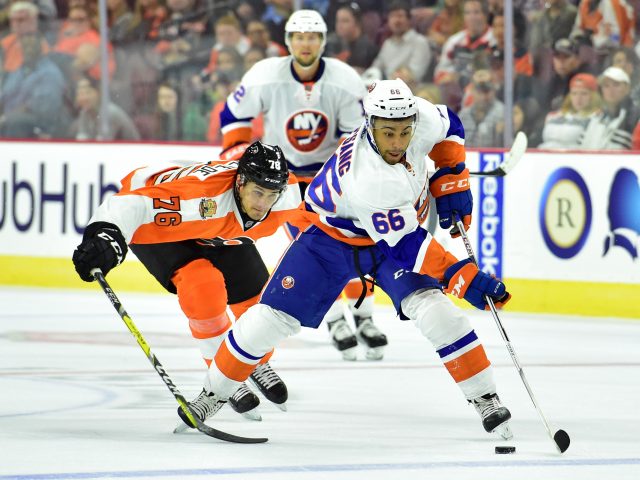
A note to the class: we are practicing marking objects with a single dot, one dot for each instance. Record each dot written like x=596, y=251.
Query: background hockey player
x=194, y=229
x=367, y=204
x=310, y=104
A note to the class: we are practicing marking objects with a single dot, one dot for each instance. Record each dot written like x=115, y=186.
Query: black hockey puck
x=505, y=449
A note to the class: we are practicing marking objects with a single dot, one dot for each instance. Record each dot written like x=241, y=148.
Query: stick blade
x=518, y=148
x=562, y=440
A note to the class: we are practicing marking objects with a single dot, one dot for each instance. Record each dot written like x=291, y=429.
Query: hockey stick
x=513, y=156
x=207, y=430
x=560, y=438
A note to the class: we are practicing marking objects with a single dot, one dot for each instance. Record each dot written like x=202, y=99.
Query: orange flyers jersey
x=159, y=205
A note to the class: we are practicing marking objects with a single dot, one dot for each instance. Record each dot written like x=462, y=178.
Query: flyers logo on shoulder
x=307, y=129
x=207, y=208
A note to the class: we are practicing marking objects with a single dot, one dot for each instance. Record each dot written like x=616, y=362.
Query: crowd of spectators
x=171, y=64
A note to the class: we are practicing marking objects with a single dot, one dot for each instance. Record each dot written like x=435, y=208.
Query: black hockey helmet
x=265, y=165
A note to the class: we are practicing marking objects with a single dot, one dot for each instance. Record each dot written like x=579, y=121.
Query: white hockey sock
x=257, y=332
x=335, y=312
x=445, y=325
x=366, y=308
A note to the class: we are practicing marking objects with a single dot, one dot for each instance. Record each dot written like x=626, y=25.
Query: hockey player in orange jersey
x=194, y=228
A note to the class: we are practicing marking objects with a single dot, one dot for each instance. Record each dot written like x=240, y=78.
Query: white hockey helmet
x=389, y=99
x=305, y=21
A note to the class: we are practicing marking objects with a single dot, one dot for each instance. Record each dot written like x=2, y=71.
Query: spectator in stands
x=522, y=59
x=184, y=39
x=78, y=33
x=173, y=120
x=423, y=13
x=23, y=20
x=614, y=128
x=430, y=92
x=87, y=126
x=148, y=15
x=31, y=98
x=550, y=25
x=566, y=63
x=249, y=10
x=626, y=59
x=406, y=75
x=461, y=49
x=405, y=47
x=564, y=128
x=483, y=120
x=607, y=24
x=47, y=17
x=253, y=56
x=259, y=37
x=449, y=20
x=119, y=21
x=167, y=122
x=275, y=16
x=348, y=42
x=229, y=38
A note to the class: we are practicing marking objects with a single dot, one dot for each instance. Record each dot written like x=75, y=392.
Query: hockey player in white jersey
x=366, y=205
x=310, y=104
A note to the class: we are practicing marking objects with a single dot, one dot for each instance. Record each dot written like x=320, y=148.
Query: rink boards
x=562, y=228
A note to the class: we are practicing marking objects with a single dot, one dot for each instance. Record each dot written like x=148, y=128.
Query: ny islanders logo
x=624, y=213
x=306, y=129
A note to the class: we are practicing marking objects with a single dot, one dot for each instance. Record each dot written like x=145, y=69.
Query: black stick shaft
x=558, y=438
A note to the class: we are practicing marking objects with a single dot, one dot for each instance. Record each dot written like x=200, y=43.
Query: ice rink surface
x=79, y=400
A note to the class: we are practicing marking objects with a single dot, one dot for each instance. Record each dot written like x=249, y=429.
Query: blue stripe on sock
x=234, y=344
x=458, y=344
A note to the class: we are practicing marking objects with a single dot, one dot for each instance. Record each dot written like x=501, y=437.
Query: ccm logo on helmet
x=307, y=129
x=460, y=184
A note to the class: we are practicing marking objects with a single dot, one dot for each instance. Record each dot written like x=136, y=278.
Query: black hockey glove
x=103, y=247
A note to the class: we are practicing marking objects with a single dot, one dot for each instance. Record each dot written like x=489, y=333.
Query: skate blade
x=181, y=427
x=281, y=406
x=350, y=354
x=504, y=430
x=253, y=414
x=375, y=353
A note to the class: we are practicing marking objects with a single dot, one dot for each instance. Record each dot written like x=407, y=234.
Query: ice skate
x=343, y=338
x=370, y=337
x=270, y=385
x=204, y=406
x=495, y=417
x=245, y=402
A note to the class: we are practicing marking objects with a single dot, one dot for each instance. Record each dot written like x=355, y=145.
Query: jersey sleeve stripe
x=227, y=118
x=455, y=130
x=340, y=235
x=345, y=224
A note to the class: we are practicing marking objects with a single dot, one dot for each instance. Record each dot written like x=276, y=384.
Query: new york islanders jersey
x=305, y=119
x=158, y=205
x=359, y=199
